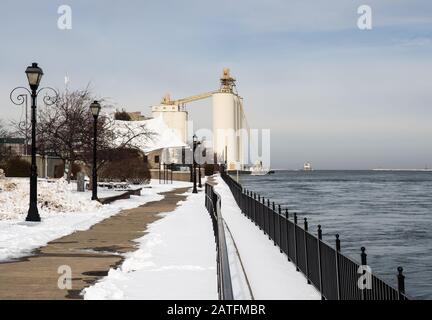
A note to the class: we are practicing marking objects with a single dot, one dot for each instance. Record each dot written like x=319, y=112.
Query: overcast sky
x=332, y=94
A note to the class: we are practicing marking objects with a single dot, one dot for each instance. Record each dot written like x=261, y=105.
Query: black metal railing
x=335, y=275
x=213, y=205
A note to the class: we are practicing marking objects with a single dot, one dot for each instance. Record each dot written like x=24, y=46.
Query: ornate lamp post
x=34, y=75
x=194, y=145
x=95, y=108
x=199, y=167
x=199, y=176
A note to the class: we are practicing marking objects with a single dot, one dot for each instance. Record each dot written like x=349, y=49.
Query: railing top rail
x=224, y=272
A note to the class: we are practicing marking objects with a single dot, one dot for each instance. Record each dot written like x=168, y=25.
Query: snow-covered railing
x=335, y=275
x=213, y=205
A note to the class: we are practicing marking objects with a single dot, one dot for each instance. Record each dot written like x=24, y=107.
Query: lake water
x=388, y=212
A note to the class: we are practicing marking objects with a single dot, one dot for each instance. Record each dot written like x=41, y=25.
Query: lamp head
x=95, y=108
x=34, y=75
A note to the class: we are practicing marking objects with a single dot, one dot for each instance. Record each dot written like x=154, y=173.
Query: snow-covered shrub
x=53, y=197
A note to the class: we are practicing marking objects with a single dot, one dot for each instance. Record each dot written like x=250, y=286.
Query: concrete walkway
x=90, y=254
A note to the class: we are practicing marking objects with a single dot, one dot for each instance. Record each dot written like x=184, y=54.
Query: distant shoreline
x=397, y=170
x=426, y=170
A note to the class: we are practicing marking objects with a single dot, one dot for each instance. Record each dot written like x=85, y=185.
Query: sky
x=331, y=93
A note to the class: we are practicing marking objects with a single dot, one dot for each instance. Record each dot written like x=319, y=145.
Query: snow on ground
x=175, y=260
x=63, y=210
x=55, y=196
x=270, y=274
x=239, y=281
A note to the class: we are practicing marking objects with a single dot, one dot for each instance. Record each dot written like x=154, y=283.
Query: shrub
x=122, y=115
x=209, y=169
x=126, y=165
x=17, y=167
x=75, y=169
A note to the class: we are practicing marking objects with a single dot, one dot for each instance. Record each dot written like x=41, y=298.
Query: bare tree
x=65, y=129
x=113, y=141
x=3, y=132
x=3, y=152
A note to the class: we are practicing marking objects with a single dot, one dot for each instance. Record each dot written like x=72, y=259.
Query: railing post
x=241, y=199
x=306, y=250
x=250, y=205
x=295, y=241
x=274, y=223
x=287, y=233
x=244, y=201
x=363, y=257
x=320, y=262
x=263, y=213
x=255, y=208
x=268, y=218
x=247, y=203
x=259, y=212
x=401, y=283
x=338, y=285
x=280, y=228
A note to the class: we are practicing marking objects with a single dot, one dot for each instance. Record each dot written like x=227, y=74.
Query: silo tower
x=228, y=123
x=174, y=115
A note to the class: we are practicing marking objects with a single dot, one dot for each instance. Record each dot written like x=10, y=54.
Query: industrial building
x=170, y=120
x=230, y=131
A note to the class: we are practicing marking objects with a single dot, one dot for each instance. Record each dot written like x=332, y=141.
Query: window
x=156, y=159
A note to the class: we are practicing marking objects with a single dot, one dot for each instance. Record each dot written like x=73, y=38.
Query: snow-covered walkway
x=175, y=260
x=69, y=211
x=270, y=274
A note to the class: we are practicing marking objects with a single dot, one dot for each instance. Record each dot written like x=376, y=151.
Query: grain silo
x=228, y=124
x=174, y=115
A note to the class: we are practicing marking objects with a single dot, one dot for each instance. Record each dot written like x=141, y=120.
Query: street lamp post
x=199, y=176
x=34, y=75
x=199, y=167
x=194, y=145
x=95, y=109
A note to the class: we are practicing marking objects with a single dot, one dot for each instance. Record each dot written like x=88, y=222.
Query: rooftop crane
x=227, y=85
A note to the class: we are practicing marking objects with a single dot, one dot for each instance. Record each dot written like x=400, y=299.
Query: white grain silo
x=227, y=124
x=175, y=117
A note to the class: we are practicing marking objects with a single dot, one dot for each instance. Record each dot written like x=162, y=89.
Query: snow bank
x=57, y=196
x=62, y=209
x=175, y=260
x=270, y=274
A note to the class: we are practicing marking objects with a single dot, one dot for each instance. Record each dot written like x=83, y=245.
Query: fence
x=335, y=275
x=213, y=205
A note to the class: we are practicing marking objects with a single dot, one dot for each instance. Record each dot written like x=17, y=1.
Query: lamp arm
x=48, y=99
x=16, y=98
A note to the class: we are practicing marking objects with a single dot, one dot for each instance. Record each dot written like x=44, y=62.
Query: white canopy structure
x=163, y=137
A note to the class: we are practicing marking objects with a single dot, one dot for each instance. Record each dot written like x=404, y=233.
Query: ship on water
x=259, y=170
x=307, y=167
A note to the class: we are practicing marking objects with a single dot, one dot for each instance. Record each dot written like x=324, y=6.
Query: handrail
x=213, y=205
x=335, y=275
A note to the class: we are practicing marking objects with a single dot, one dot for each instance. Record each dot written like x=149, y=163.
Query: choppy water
x=390, y=213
